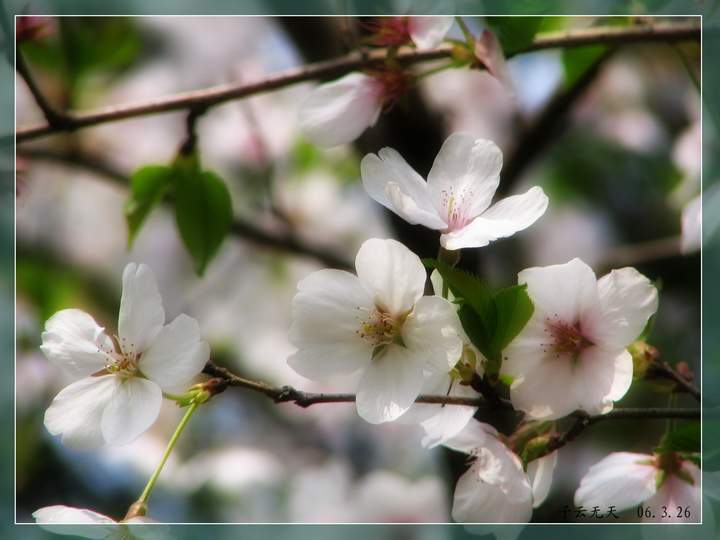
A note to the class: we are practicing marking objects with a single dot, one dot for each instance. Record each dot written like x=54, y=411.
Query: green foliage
x=203, y=212
x=577, y=61
x=685, y=438
x=515, y=33
x=148, y=186
x=490, y=319
x=203, y=206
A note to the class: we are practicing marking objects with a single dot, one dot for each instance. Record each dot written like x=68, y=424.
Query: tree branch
x=286, y=242
x=55, y=120
x=288, y=394
x=209, y=97
x=663, y=369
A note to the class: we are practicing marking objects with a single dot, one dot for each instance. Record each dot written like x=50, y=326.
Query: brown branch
x=288, y=394
x=208, y=97
x=285, y=242
x=55, y=119
x=663, y=369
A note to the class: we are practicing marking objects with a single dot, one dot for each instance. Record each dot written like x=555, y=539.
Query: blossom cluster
x=402, y=331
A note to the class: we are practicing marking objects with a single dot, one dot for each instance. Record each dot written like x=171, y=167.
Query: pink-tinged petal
x=622, y=480
x=495, y=489
x=678, y=496
x=393, y=274
x=601, y=377
x=176, y=356
x=489, y=52
x=432, y=334
x=320, y=362
x=449, y=420
x=134, y=407
x=562, y=291
x=540, y=473
x=58, y=519
x=76, y=412
x=338, y=112
x=472, y=437
x=141, y=311
x=464, y=177
x=389, y=385
x=429, y=32
x=328, y=309
x=389, y=180
x=501, y=220
x=544, y=390
x=627, y=300
x=73, y=341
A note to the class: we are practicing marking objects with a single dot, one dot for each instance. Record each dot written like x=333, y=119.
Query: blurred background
x=613, y=137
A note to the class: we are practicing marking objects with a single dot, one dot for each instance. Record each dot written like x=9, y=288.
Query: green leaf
x=577, y=61
x=685, y=438
x=203, y=210
x=475, y=329
x=515, y=33
x=148, y=186
x=513, y=309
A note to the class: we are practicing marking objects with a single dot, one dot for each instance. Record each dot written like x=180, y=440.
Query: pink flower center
x=456, y=207
x=378, y=327
x=566, y=338
x=388, y=31
x=391, y=85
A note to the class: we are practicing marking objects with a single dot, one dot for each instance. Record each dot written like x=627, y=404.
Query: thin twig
x=664, y=369
x=285, y=242
x=208, y=97
x=288, y=394
x=55, y=119
x=642, y=252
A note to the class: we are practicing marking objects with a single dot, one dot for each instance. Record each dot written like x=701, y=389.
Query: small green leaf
x=577, y=61
x=148, y=185
x=513, y=309
x=203, y=210
x=515, y=33
x=475, y=329
x=685, y=438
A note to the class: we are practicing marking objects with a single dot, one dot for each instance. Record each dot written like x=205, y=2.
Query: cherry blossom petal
x=676, y=493
x=58, y=519
x=691, y=223
x=489, y=51
x=73, y=341
x=177, y=355
x=627, y=300
x=501, y=220
x=495, y=488
x=429, y=32
x=543, y=389
x=447, y=421
x=601, y=377
x=76, y=412
x=141, y=311
x=472, y=437
x=465, y=175
x=392, y=272
x=540, y=473
x=320, y=362
x=134, y=407
x=564, y=291
x=389, y=180
x=338, y=112
x=389, y=385
x=431, y=332
x=327, y=308
x=622, y=480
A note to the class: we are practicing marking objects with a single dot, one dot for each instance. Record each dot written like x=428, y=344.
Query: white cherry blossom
x=428, y=32
x=121, y=382
x=377, y=322
x=68, y=520
x=423, y=32
x=626, y=479
x=496, y=489
x=456, y=198
x=572, y=353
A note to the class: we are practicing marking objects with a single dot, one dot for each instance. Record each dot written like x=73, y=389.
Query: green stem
x=469, y=38
x=178, y=431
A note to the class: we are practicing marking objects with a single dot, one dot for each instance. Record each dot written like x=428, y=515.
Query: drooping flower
x=665, y=483
x=121, y=383
x=572, y=353
x=496, y=489
x=67, y=520
x=456, y=198
x=377, y=322
x=423, y=32
x=339, y=111
x=490, y=55
x=442, y=422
